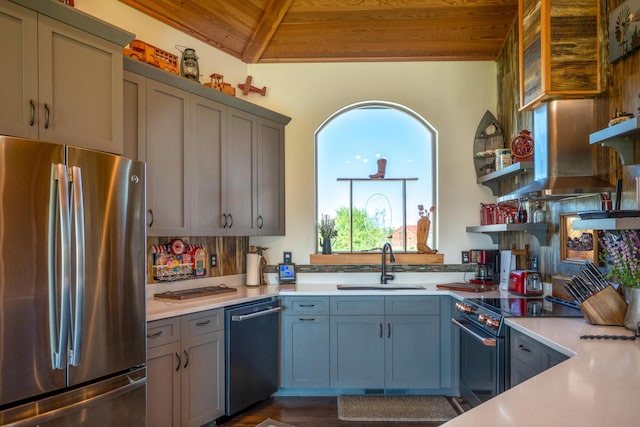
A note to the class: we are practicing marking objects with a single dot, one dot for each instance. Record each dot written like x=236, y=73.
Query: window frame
x=429, y=129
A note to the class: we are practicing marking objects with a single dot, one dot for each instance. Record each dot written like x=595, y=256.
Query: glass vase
x=632, y=317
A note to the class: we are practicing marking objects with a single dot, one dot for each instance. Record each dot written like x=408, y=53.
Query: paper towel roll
x=253, y=269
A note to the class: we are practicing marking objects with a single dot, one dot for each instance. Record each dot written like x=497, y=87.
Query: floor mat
x=395, y=408
x=273, y=423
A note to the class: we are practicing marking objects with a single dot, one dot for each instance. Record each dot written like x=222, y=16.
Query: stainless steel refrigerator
x=72, y=279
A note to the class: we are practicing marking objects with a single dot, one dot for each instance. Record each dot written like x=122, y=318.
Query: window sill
x=373, y=258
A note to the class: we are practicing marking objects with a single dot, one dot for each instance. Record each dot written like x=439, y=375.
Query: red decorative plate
x=522, y=146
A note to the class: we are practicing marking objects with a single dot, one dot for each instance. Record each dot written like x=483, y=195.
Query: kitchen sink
x=378, y=287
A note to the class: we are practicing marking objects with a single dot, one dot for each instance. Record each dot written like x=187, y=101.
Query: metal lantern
x=189, y=64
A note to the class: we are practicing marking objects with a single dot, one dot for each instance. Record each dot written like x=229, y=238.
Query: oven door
x=482, y=363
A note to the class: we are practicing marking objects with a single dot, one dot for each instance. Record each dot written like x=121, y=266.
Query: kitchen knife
x=618, y=193
x=572, y=292
x=592, y=267
x=582, y=290
x=578, y=290
x=587, y=286
x=588, y=281
x=588, y=274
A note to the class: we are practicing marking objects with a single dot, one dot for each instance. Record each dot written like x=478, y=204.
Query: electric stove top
x=529, y=307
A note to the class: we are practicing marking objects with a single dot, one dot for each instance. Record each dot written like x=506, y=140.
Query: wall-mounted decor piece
x=624, y=29
x=577, y=246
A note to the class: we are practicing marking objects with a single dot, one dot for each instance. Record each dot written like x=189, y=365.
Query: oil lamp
x=189, y=64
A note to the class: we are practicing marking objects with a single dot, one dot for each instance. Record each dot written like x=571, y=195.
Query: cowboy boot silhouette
x=382, y=166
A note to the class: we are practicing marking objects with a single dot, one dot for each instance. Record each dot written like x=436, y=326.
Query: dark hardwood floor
x=306, y=412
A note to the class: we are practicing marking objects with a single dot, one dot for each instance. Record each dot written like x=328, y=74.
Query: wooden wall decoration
x=624, y=29
x=577, y=246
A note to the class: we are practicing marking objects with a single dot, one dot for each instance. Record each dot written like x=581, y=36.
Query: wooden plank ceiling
x=269, y=31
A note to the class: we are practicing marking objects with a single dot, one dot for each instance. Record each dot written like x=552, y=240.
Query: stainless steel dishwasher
x=251, y=353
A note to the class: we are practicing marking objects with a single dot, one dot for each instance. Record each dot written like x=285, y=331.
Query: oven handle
x=487, y=342
x=242, y=317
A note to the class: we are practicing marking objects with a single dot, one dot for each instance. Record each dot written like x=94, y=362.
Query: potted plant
x=327, y=230
x=621, y=252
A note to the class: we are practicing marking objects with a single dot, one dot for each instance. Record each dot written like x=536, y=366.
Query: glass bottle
x=538, y=215
x=522, y=213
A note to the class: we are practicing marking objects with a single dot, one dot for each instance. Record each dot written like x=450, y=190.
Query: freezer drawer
x=117, y=401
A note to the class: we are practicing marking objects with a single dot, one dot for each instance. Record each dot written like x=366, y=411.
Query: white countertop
x=161, y=309
x=598, y=386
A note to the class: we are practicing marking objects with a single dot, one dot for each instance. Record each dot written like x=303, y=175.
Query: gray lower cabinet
x=185, y=369
x=529, y=357
x=305, y=342
x=366, y=342
x=385, y=342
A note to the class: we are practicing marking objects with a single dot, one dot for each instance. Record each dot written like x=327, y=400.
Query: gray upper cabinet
x=270, y=169
x=166, y=152
x=60, y=83
x=215, y=164
x=207, y=142
x=240, y=176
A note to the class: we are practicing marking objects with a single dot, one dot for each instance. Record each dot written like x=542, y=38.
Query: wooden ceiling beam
x=266, y=28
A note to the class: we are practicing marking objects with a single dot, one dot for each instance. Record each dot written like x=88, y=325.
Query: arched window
x=355, y=148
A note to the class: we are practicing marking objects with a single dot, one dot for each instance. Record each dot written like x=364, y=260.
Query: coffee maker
x=487, y=266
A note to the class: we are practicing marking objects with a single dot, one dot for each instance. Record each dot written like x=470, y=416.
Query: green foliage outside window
x=367, y=235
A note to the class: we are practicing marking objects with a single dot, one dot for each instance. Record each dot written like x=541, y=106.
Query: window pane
x=370, y=212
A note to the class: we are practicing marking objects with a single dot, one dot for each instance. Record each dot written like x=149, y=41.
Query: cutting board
x=194, y=293
x=467, y=287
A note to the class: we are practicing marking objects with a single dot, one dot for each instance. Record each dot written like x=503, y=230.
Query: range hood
x=563, y=158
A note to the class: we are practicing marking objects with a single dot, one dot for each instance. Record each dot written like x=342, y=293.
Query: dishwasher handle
x=243, y=317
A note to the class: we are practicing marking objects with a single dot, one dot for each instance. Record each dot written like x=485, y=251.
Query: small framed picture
x=577, y=246
x=286, y=273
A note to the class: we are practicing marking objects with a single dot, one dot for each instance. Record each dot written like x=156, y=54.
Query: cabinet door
x=80, y=87
x=207, y=136
x=202, y=379
x=412, y=352
x=133, y=112
x=357, y=351
x=239, y=173
x=164, y=385
x=271, y=193
x=167, y=145
x=19, y=82
x=305, y=348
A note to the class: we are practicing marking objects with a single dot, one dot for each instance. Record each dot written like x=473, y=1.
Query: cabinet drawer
x=520, y=372
x=526, y=350
x=163, y=331
x=202, y=323
x=303, y=305
x=360, y=305
x=412, y=305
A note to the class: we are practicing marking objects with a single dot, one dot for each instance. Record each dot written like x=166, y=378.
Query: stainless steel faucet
x=384, y=276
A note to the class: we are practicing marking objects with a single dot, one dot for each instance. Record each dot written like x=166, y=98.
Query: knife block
x=607, y=307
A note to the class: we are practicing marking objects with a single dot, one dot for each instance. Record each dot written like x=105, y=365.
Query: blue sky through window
x=349, y=145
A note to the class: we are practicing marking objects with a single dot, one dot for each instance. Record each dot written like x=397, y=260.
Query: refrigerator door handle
x=77, y=207
x=59, y=298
